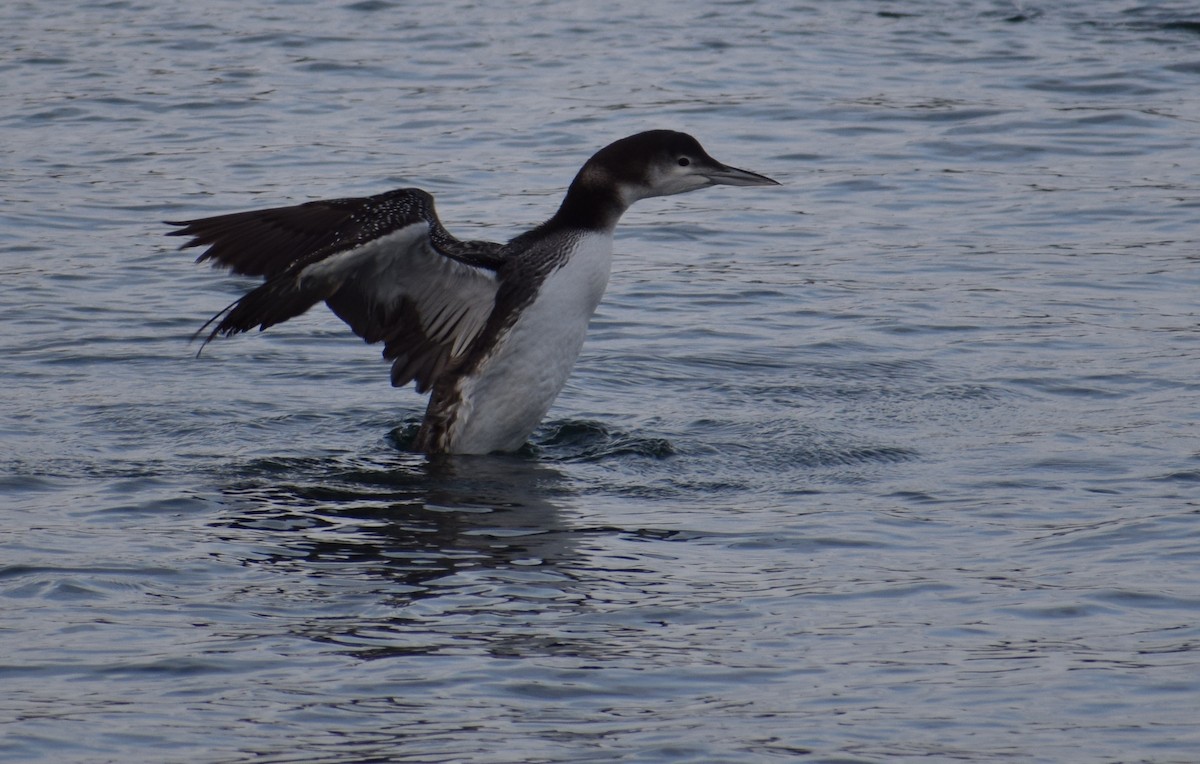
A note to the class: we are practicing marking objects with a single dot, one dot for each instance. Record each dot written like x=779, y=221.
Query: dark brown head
x=653, y=163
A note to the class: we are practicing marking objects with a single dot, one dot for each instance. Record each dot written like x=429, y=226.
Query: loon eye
x=684, y=161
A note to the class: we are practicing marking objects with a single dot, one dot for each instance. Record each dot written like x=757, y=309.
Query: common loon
x=492, y=330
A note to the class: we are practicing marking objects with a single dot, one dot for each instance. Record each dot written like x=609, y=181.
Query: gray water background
x=896, y=462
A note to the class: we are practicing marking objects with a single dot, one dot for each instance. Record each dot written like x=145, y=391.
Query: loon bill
x=490, y=330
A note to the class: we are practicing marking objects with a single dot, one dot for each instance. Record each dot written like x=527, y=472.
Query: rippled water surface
x=896, y=462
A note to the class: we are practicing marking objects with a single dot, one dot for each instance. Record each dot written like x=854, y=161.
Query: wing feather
x=426, y=308
x=384, y=264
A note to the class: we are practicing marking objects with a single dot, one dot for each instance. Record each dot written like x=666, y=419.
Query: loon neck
x=593, y=203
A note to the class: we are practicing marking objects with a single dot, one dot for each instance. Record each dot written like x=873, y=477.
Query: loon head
x=662, y=163
x=653, y=163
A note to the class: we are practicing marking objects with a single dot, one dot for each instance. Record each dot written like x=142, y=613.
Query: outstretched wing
x=384, y=264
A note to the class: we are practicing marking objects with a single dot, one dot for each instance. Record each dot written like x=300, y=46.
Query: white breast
x=513, y=390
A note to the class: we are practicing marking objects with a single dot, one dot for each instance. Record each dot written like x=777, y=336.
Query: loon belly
x=498, y=404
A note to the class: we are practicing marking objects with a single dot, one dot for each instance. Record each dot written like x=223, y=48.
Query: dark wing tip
x=182, y=227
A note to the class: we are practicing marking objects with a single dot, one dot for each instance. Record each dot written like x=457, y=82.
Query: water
x=897, y=462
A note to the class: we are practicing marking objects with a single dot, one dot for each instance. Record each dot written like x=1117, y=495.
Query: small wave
x=851, y=455
x=404, y=437
x=575, y=440
x=568, y=440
